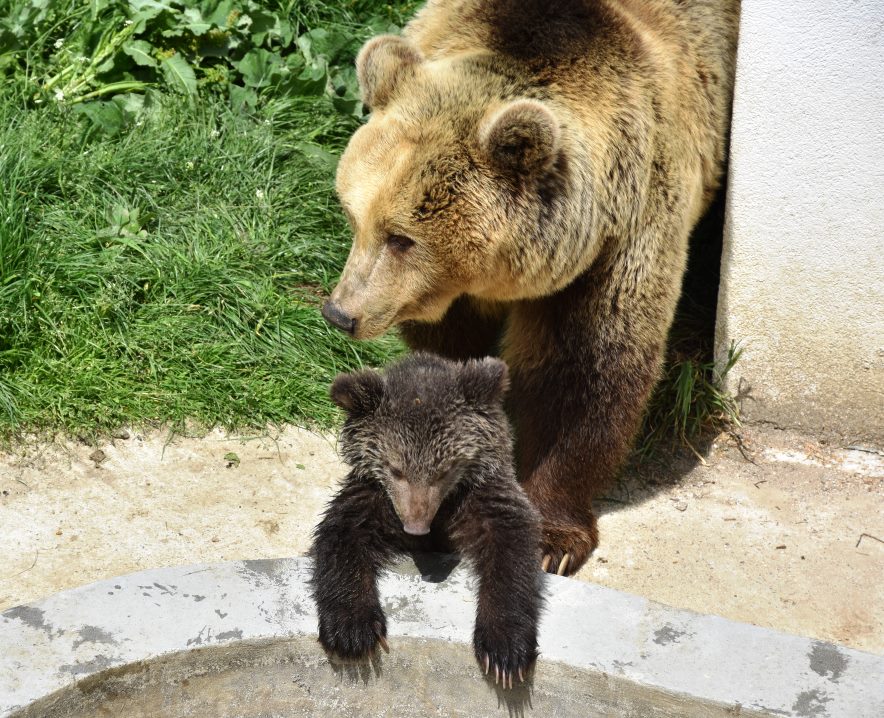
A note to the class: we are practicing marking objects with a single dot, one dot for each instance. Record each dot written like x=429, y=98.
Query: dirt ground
x=786, y=532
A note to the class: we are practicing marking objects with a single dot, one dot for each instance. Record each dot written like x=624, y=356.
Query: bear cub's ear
x=383, y=63
x=484, y=380
x=522, y=137
x=359, y=393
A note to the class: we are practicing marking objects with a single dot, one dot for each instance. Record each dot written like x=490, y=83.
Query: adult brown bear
x=525, y=185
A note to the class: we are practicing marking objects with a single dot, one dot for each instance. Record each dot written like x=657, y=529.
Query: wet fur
x=426, y=414
x=570, y=269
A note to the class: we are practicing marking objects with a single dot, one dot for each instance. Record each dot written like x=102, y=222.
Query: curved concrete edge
x=52, y=644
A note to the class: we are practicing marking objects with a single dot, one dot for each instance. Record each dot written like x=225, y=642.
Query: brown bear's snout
x=337, y=317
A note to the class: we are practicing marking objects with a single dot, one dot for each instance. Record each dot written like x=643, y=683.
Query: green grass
x=688, y=405
x=173, y=272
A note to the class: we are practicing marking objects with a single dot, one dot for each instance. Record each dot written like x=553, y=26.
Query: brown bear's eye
x=397, y=474
x=399, y=244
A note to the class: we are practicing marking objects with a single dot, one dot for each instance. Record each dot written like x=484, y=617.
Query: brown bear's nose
x=336, y=316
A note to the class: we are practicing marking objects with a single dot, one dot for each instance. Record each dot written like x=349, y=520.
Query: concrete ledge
x=603, y=652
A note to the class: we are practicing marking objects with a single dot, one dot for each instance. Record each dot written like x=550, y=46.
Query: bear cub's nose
x=337, y=317
x=416, y=528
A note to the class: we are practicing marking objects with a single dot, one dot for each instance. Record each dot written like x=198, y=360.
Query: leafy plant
x=83, y=53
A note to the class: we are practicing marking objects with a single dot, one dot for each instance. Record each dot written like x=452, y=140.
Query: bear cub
x=430, y=451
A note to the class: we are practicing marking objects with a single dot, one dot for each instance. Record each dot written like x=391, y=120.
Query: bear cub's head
x=423, y=427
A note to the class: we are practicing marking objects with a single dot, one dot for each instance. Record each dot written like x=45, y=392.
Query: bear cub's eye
x=399, y=244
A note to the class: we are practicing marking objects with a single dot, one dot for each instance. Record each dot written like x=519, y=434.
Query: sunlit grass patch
x=172, y=272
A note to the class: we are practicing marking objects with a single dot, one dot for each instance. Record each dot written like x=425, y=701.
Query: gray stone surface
x=202, y=640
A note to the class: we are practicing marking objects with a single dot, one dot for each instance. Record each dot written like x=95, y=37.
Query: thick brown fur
x=431, y=454
x=547, y=160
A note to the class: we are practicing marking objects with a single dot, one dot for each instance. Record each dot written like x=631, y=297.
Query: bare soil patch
x=792, y=541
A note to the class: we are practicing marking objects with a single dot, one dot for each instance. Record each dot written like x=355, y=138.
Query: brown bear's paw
x=354, y=632
x=566, y=545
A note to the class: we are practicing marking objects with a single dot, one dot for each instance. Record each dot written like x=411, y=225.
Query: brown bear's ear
x=358, y=393
x=382, y=63
x=521, y=137
x=484, y=380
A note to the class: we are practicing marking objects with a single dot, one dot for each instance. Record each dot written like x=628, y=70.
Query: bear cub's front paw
x=505, y=651
x=353, y=632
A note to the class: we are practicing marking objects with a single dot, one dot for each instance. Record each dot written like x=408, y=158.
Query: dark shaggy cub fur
x=431, y=456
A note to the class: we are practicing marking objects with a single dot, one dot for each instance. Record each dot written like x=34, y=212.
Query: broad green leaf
x=232, y=459
x=348, y=106
x=96, y=6
x=149, y=6
x=243, y=97
x=142, y=11
x=107, y=116
x=306, y=81
x=258, y=67
x=382, y=26
x=119, y=215
x=346, y=83
x=40, y=8
x=179, y=75
x=140, y=51
x=285, y=32
x=131, y=103
x=322, y=43
x=217, y=45
x=8, y=41
x=195, y=22
x=132, y=242
x=221, y=12
x=263, y=24
x=105, y=66
x=305, y=45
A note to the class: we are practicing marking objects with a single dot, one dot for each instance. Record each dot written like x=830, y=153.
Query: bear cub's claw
x=509, y=658
x=355, y=634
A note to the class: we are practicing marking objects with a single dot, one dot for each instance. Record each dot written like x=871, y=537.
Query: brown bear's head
x=440, y=187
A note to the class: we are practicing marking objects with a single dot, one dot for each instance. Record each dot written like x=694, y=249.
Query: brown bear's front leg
x=579, y=385
x=469, y=330
x=358, y=535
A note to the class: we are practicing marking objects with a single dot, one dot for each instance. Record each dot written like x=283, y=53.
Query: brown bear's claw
x=566, y=547
x=562, y=565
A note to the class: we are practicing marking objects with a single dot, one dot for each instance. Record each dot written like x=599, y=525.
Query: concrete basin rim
x=51, y=644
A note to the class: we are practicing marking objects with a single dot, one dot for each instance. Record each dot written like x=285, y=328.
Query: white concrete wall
x=803, y=264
